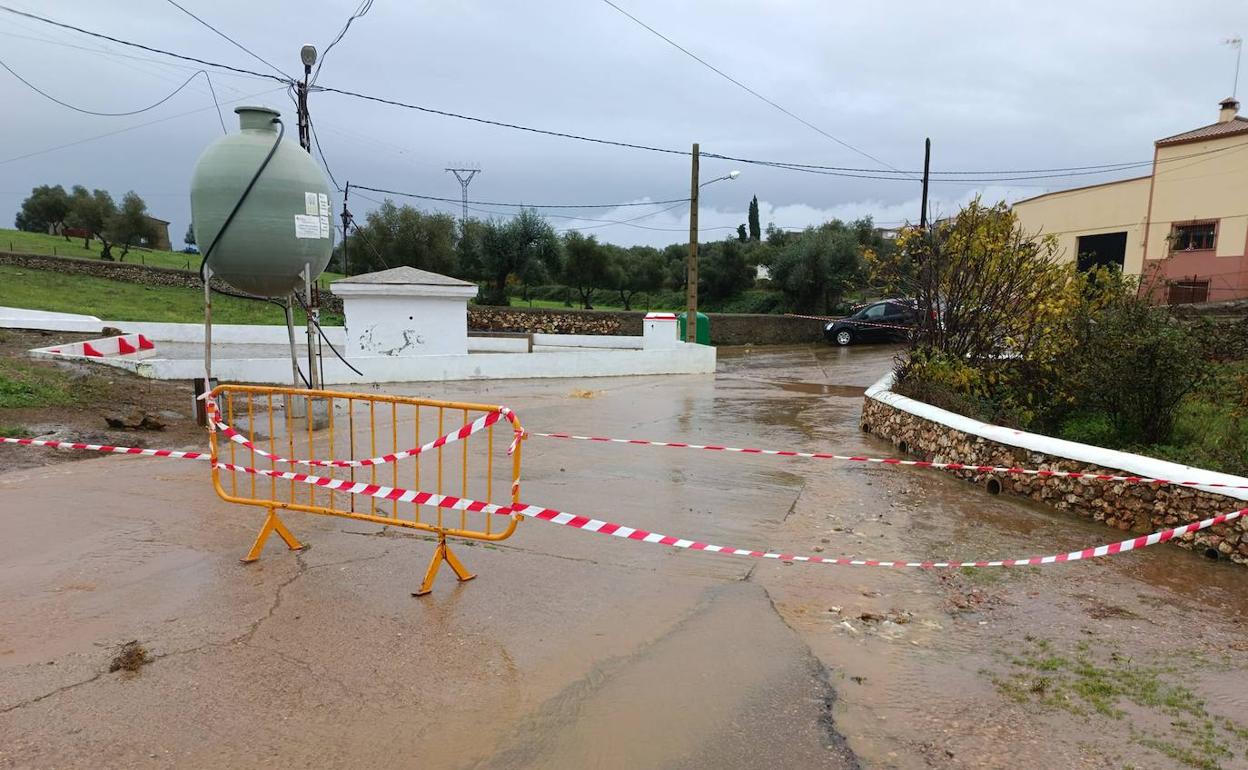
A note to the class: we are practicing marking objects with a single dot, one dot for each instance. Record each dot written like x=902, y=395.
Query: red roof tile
x=1231, y=127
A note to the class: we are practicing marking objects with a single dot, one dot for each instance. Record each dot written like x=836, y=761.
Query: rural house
x=1183, y=227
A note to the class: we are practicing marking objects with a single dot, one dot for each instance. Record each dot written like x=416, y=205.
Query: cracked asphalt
x=572, y=649
x=568, y=650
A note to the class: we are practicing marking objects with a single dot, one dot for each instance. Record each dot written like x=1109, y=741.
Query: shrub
x=1095, y=428
x=1130, y=360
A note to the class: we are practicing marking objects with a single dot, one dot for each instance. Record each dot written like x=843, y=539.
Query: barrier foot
x=443, y=553
x=271, y=524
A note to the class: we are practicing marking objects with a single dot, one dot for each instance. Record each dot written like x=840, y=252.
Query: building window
x=1188, y=290
x=1194, y=236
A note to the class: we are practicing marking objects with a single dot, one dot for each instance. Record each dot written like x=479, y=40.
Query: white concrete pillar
x=659, y=332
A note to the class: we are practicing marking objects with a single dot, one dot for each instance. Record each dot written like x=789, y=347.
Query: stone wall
x=544, y=321
x=759, y=329
x=130, y=272
x=726, y=328
x=1135, y=508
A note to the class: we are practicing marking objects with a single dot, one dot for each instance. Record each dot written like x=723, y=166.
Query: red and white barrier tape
x=477, y=425
x=618, y=530
x=631, y=533
x=121, y=450
x=896, y=461
x=851, y=320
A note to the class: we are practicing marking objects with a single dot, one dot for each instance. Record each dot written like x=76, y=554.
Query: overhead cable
x=749, y=90
x=522, y=205
x=364, y=7
x=152, y=106
x=230, y=40
x=151, y=49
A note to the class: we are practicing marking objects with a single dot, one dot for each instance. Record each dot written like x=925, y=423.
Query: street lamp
x=691, y=278
x=730, y=175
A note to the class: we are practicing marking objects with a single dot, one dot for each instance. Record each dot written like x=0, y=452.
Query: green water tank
x=285, y=222
x=701, y=333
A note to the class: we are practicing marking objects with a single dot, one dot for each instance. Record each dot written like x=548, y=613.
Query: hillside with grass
x=123, y=301
x=20, y=242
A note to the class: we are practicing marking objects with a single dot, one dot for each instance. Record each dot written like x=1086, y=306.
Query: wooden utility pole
x=691, y=288
x=927, y=162
x=346, y=222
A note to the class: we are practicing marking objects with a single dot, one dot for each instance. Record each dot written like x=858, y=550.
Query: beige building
x=1183, y=227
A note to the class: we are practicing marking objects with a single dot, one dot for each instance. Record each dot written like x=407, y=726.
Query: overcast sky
x=996, y=85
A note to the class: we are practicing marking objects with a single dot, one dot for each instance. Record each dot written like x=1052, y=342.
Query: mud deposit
x=577, y=650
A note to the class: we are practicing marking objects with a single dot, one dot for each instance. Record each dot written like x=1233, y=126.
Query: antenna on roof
x=1237, y=43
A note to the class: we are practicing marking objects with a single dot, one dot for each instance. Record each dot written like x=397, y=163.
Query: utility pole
x=346, y=222
x=927, y=162
x=464, y=175
x=307, y=55
x=691, y=288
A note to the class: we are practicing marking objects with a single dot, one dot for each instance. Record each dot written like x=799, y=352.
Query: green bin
x=703, y=330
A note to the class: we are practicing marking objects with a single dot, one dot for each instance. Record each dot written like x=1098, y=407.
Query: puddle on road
x=1165, y=623
x=818, y=389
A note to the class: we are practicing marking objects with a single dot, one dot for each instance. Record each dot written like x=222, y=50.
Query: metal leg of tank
x=290, y=334
x=313, y=377
x=207, y=324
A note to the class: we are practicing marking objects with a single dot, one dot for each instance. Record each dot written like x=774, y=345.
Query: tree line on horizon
x=525, y=258
x=93, y=213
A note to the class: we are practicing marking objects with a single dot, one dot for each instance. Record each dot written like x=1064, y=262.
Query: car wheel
x=843, y=337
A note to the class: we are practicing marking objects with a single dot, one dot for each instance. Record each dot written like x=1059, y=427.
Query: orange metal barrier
x=357, y=425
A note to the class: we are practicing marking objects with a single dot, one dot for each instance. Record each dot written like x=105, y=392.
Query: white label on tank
x=324, y=226
x=309, y=204
x=307, y=226
x=323, y=200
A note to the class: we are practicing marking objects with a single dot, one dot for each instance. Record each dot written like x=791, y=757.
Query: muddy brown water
x=579, y=650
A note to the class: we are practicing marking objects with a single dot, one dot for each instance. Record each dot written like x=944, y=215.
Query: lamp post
x=691, y=280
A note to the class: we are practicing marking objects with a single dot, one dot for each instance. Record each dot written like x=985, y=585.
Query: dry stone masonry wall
x=726, y=328
x=1134, y=508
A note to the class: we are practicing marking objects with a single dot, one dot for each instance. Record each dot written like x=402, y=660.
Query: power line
x=843, y=171
x=523, y=205
x=148, y=48
x=321, y=152
x=499, y=123
x=129, y=128
x=747, y=89
x=364, y=7
x=118, y=55
x=215, y=102
x=229, y=39
x=85, y=111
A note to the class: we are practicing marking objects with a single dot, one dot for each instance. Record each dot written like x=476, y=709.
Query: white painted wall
x=405, y=325
x=1133, y=464
x=498, y=345
x=607, y=341
x=43, y=320
x=689, y=359
x=234, y=334
x=660, y=332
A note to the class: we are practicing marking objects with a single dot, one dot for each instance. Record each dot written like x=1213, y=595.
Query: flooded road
x=577, y=650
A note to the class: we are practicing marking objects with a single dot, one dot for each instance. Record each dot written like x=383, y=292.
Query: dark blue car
x=889, y=320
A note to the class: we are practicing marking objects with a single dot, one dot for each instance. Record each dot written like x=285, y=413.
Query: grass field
x=41, y=243
x=121, y=301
